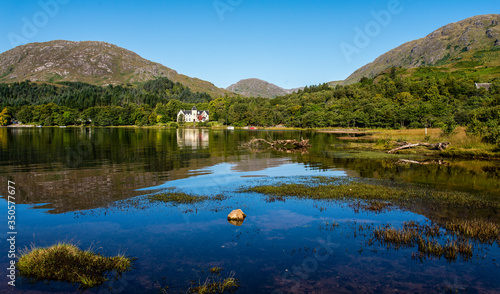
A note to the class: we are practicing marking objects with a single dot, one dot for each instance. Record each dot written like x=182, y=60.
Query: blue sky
x=289, y=43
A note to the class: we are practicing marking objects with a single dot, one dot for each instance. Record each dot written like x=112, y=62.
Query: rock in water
x=236, y=215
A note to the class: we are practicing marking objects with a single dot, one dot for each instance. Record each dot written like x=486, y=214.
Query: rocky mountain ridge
x=259, y=88
x=91, y=62
x=451, y=44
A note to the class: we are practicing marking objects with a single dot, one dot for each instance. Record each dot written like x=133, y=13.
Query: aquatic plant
x=422, y=236
x=373, y=206
x=66, y=262
x=480, y=230
x=176, y=198
x=395, y=237
x=403, y=195
x=215, y=270
x=216, y=285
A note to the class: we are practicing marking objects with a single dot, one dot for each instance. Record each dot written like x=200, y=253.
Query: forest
x=388, y=101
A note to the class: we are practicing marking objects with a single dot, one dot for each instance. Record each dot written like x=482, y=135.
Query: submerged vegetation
x=354, y=189
x=215, y=283
x=66, y=262
x=176, y=198
x=463, y=217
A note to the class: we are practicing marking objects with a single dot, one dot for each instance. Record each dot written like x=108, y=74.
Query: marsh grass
x=176, y=198
x=405, y=196
x=373, y=206
x=216, y=284
x=66, y=262
x=463, y=145
x=479, y=230
x=425, y=237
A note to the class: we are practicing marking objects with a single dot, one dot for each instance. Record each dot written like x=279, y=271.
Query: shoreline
x=382, y=140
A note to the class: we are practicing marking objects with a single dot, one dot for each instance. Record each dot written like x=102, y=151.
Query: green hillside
x=469, y=49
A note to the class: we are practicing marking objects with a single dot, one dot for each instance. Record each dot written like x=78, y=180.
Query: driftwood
x=437, y=146
x=283, y=145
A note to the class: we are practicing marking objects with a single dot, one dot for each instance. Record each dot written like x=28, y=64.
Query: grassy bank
x=461, y=144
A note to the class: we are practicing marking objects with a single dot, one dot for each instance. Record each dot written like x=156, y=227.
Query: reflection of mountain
x=79, y=169
x=196, y=138
x=259, y=164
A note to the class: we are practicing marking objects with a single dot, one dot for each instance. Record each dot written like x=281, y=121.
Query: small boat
x=230, y=128
x=39, y=126
x=62, y=126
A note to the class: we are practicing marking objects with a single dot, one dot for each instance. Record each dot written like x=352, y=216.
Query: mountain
x=259, y=88
x=335, y=83
x=97, y=63
x=471, y=46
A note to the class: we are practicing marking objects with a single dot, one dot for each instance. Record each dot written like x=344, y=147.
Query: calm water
x=89, y=185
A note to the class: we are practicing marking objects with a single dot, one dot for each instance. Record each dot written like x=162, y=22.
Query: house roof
x=199, y=112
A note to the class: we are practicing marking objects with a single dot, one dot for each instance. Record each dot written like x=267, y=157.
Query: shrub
x=65, y=262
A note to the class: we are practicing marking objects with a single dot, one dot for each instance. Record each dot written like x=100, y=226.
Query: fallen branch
x=437, y=146
x=282, y=145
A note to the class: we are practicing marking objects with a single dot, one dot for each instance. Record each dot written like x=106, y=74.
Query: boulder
x=236, y=215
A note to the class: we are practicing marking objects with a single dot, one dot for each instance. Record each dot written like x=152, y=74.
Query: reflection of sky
x=225, y=174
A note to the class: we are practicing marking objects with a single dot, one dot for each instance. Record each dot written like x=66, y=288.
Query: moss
x=65, y=262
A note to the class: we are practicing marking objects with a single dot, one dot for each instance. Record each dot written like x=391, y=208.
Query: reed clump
x=423, y=237
x=480, y=230
x=66, y=262
x=216, y=284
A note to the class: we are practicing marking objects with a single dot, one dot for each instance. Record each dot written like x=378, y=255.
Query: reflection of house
x=193, y=115
x=197, y=138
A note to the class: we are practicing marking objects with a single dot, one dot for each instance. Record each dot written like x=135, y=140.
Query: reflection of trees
x=81, y=168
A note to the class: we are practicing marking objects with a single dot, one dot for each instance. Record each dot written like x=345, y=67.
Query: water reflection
x=74, y=174
x=237, y=223
x=195, y=138
x=84, y=168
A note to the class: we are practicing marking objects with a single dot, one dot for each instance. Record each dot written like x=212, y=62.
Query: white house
x=193, y=115
x=483, y=85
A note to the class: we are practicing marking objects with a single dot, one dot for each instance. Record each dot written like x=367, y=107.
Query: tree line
x=387, y=101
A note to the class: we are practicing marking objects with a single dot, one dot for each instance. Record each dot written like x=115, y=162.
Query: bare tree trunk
x=438, y=146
